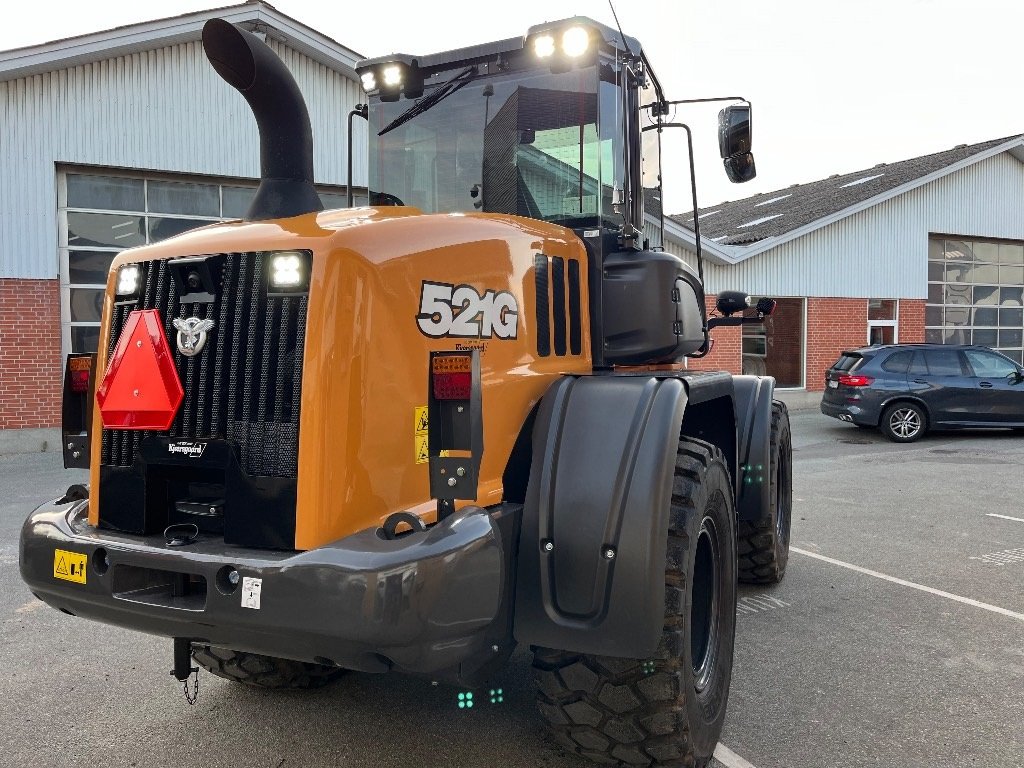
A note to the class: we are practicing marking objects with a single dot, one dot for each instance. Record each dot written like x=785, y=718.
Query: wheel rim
x=905, y=423
x=704, y=604
x=783, y=498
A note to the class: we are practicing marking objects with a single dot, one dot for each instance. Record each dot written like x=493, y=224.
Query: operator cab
x=530, y=126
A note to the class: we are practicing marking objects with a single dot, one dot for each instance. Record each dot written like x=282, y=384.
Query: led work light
x=289, y=272
x=575, y=42
x=128, y=280
x=543, y=46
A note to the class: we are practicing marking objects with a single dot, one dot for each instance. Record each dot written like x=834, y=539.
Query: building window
x=776, y=347
x=976, y=294
x=883, y=316
x=102, y=214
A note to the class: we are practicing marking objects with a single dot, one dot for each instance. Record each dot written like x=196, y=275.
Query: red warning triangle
x=141, y=388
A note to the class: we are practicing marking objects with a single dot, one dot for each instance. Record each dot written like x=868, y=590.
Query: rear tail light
x=851, y=380
x=452, y=377
x=78, y=369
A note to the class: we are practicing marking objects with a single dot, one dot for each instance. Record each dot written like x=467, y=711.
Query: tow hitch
x=183, y=668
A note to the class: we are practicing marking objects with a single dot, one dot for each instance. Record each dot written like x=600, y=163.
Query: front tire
x=263, y=671
x=904, y=422
x=763, y=545
x=668, y=710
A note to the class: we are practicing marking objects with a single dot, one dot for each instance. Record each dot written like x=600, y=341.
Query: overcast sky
x=837, y=85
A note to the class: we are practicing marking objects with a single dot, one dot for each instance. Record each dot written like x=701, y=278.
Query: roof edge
x=717, y=254
x=744, y=252
x=160, y=33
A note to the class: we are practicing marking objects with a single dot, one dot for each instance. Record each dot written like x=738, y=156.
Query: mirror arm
x=716, y=322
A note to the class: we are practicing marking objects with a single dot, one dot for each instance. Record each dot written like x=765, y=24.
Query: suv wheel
x=904, y=422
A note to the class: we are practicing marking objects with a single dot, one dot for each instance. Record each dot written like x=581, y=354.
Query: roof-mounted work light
x=392, y=79
x=563, y=45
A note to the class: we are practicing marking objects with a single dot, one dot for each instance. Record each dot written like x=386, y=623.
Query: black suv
x=907, y=389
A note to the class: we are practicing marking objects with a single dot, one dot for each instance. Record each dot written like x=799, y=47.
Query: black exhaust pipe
x=286, y=139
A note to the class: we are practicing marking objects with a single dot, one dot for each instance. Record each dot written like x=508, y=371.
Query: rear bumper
x=850, y=412
x=434, y=603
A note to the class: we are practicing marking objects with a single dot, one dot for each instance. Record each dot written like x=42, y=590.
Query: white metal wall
x=882, y=252
x=164, y=110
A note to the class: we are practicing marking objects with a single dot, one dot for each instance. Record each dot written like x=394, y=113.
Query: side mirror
x=734, y=130
x=740, y=168
x=734, y=142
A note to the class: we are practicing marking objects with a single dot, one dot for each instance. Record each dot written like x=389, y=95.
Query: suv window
x=989, y=364
x=943, y=362
x=848, y=362
x=898, y=362
x=918, y=367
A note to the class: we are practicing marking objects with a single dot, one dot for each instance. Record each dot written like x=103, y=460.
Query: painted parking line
x=730, y=759
x=912, y=585
x=1005, y=517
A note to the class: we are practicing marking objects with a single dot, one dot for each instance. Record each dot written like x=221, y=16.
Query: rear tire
x=904, y=422
x=263, y=671
x=763, y=546
x=669, y=710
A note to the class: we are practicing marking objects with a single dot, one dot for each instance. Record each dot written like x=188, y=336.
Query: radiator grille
x=245, y=385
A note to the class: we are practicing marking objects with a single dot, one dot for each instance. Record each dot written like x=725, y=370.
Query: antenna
x=621, y=33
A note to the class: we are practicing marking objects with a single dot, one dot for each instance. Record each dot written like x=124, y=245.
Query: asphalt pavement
x=896, y=639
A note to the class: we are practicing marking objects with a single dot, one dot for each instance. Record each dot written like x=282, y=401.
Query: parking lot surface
x=896, y=639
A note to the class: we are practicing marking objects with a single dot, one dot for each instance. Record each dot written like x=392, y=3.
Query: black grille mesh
x=245, y=385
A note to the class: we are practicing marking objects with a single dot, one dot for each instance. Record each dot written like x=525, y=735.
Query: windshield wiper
x=442, y=91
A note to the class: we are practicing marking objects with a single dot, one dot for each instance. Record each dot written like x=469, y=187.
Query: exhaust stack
x=286, y=139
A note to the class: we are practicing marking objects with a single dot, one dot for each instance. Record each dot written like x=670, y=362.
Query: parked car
x=907, y=389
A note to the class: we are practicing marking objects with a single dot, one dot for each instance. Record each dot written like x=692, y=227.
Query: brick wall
x=832, y=326
x=726, y=352
x=30, y=359
x=911, y=322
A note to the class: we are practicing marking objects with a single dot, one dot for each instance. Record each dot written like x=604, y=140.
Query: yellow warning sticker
x=422, y=454
x=420, y=420
x=420, y=424
x=69, y=566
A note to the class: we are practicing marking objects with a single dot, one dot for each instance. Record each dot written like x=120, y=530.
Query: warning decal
x=69, y=566
x=252, y=590
x=419, y=437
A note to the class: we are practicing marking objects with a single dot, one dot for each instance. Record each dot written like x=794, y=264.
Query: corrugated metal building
x=927, y=249
x=124, y=137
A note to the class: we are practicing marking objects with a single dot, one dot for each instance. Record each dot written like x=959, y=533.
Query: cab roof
x=611, y=38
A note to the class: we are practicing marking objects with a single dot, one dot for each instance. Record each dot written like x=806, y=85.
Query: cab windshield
x=524, y=143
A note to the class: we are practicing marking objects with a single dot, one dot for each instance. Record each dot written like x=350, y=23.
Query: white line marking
x=1005, y=517
x=912, y=585
x=730, y=759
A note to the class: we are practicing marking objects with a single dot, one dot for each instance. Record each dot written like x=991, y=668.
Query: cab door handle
x=920, y=381
x=985, y=385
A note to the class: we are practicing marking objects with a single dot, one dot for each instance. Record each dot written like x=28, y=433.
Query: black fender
x=753, y=398
x=591, y=571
